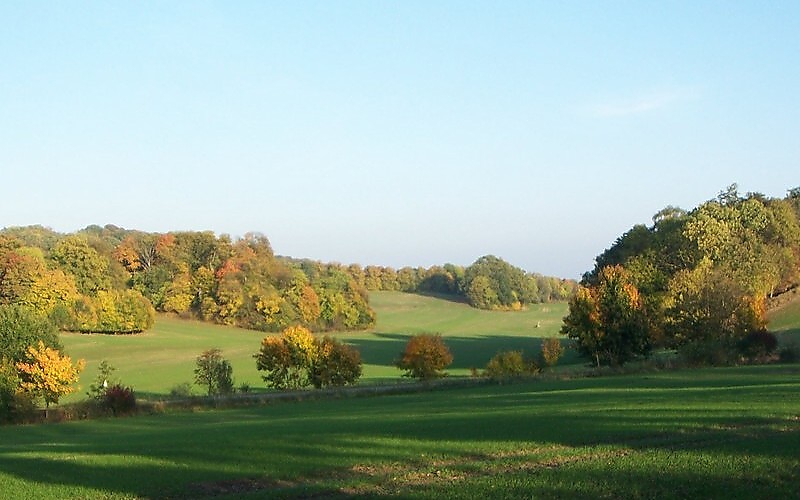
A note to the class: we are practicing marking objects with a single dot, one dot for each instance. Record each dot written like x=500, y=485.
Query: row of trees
x=112, y=280
x=698, y=281
x=108, y=279
x=489, y=283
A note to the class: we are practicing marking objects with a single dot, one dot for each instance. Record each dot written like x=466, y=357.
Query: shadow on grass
x=673, y=421
x=468, y=352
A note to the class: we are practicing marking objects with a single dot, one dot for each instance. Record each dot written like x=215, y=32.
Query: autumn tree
x=551, y=351
x=297, y=359
x=287, y=359
x=48, y=374
x=335, y=364
x=425, y=357
x=606, y=321
x=711, y=313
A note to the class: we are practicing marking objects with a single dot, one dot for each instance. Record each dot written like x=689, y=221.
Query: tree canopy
x=705, y=277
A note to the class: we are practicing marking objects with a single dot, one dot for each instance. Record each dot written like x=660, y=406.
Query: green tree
x=22, y=327
x=214, y=372
x=710, y=314
x=90, y=269
x=499, y=285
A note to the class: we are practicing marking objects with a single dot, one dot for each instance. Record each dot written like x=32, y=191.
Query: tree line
x=699, y=282
x=112, y=280
x=488, y=283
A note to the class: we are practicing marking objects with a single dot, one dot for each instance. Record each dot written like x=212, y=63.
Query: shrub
x=287, y=359
x=758, y=346
x=336, y=364
x=120, y=400
x=214, y=372
x=297, y=359
x=182, y=390
x=97, y=389
x=424, y=357
x=709, y=352
x=551, y=352
x=508, y=365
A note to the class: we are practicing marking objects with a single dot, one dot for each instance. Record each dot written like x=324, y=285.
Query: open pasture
x=157, y=360
x=714, y=433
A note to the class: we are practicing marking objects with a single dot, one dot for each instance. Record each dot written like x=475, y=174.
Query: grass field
x=716, y=433
x=157, y=360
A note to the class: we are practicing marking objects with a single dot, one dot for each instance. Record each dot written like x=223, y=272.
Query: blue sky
x=395, y=133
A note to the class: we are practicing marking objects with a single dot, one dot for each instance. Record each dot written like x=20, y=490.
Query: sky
x=408, y=133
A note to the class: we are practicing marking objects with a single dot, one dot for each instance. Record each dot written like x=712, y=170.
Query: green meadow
x=155, y=361
x=711, y=433
x=705, y=433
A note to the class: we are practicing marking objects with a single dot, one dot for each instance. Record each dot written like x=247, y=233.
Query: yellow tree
x=49, y=374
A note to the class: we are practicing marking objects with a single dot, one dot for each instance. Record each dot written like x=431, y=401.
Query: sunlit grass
x=158, y=360
x=713, y=433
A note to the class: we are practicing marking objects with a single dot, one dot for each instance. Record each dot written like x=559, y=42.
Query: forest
x=699, y=282
x=113, y=280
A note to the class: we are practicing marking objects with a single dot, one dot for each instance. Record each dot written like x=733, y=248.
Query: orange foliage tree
x=425, y=356
x=48, y=374
x=607, y=321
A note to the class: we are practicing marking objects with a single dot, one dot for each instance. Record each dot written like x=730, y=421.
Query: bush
x=97, y=389
x=182, y=390
x=425, y=356
x=120, y=400
x=713, y=352
x=758, y=346
x=336, y=364
x=214, y=372
x=508, y=365
x=551, y=352
x=287, y=359
x=297, y=359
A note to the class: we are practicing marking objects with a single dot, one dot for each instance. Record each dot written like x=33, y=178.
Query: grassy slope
x=730, y=433
x=785, y=321
x=156, y=361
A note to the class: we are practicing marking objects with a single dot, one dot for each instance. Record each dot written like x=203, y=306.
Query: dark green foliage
x=22, y=327
x=335, y=364
x=120, y=400
x=214, y=372
x=758, y=346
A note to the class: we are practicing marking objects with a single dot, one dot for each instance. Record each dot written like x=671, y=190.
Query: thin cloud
x=646, y=103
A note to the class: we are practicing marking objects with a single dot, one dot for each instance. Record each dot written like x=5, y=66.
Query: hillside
x=155, y=361
x=784, y=321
